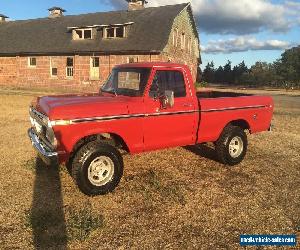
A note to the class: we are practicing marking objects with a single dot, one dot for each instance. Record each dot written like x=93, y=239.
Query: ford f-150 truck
x=141, y=107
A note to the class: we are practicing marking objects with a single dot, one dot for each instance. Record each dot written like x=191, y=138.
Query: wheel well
x=241, y=123
x=110, y=138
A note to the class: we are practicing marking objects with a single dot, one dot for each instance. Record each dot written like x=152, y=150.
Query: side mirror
x=168, y=99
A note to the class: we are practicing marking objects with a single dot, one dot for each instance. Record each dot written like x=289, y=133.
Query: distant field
x=179, y=198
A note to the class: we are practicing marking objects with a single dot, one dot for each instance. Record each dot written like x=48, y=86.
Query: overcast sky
x=236, y=30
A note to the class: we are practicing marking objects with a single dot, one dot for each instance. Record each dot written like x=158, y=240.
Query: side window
x=32, y=61
x=168, y=80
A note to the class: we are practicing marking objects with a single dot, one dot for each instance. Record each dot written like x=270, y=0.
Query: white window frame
x=70, y=69
x=93, y=61
x=132, y=59
x=51, y=67
x=30, y=62
x=76, y=37
x=93, y=67
x=105, y=33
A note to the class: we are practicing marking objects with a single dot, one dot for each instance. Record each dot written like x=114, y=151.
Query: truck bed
x=218, y=109
x=218, y=94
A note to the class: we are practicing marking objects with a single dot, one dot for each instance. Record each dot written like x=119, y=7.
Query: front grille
x=38, y=116
x=39, y=124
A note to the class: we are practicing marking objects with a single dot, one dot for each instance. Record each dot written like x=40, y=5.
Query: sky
x=235, y=30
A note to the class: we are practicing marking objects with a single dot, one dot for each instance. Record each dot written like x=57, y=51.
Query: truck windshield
x=127, y=81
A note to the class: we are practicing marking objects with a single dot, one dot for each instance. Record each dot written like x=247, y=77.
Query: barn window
x=54, y=72
x=32, y=61
x=53, y=67
x=95, y=62
x=120, y=31
x=175, y=37
x=81, y=34
x=94, y=68
x=132, y=59
x=189, y=45
x=183, y=41
x=115, y=32
x=70, y=67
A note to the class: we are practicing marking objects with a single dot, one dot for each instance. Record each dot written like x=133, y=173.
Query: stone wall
x=8, y=70
x=15, y=71
x=189, y=52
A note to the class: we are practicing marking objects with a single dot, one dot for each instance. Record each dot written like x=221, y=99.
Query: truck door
x=171, y=126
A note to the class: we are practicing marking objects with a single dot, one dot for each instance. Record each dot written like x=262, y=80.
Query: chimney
x=136, y=4
x=3, y=18
x=55, y=12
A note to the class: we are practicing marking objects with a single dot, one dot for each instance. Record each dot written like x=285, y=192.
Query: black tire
x=225, y=152
x=82, y=166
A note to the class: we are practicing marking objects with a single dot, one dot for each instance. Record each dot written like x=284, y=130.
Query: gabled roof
x=149, y=33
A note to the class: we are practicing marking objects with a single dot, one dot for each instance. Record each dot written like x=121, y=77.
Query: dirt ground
x=179, y=198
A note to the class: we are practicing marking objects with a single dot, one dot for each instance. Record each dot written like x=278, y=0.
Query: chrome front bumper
x=46, y=154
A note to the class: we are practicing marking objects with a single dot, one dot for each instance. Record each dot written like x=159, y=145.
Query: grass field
x=179, y=198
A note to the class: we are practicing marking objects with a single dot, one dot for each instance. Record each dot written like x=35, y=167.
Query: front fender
x=128, y=129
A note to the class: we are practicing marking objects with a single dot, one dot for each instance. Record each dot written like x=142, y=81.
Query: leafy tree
x=288, y=66
x=238, y=71
x=209, y=72
x=285, y=72
x=227, y=73
x=219, y=75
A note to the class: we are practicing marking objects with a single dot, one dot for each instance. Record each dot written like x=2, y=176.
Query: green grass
x=154, y=187
x=82, y=222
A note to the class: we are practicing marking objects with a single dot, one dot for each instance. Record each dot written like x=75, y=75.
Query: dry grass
x=170, y=199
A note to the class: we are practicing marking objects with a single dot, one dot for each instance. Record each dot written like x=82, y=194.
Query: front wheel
x=97, y=168
x=231, y=147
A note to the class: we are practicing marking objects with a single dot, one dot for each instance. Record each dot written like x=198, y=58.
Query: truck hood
x=62, y=107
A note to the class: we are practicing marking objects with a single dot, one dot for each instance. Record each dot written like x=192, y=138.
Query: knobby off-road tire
x=231, y=147
x=97, y=168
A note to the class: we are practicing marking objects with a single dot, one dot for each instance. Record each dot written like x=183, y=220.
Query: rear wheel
x=231, y=147
x=97, y=168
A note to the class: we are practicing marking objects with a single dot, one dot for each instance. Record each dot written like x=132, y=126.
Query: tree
x=209, y=72
x=285, y=72
x=262, y=74
x=219, y=75
x=227, y=73
x=238, y=71
x=288, y=66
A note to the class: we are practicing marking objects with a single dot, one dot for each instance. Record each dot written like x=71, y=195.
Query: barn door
x=94, y=68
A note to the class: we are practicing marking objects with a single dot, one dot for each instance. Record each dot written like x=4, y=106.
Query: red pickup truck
x=141, y=107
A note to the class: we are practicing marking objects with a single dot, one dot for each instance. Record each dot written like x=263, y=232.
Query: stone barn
x=78, y=50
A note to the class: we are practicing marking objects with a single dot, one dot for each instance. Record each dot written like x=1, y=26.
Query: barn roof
x=149, y=32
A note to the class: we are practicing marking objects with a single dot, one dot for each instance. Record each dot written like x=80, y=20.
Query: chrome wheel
x=101, y=171
x=236, y=147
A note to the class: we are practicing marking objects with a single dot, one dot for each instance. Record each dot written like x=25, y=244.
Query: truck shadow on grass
x=203, y=150
x=46, y=217
x=53, y=225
